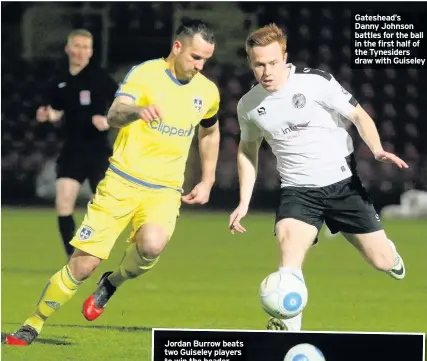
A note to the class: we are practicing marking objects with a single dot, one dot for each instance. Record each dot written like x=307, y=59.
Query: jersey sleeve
x=133, y=84
x=53, y=94
x=248, y=130
x=338, y=98
x=55, y=99
x=213, y=110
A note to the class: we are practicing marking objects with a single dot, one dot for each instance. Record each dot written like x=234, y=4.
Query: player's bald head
x=189, y=28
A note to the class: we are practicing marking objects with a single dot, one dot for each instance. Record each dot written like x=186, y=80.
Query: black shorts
x=81, y=166
x=344, y=207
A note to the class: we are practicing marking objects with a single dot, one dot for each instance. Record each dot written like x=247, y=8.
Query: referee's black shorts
x=344, y=206
x=80, y=166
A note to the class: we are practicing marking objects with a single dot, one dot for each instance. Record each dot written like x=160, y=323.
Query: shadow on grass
x=46, y=341
x=109, y=328
x=89, y=327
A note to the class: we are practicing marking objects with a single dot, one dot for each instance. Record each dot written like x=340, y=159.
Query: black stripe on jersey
x=207, y=123
x=353, y=101
x=321, y=73
x=254, y=83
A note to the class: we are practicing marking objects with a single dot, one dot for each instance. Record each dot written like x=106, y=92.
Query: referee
x=81, y=94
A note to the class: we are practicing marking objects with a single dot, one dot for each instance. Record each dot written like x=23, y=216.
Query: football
x=283, y=295
x=304, y=352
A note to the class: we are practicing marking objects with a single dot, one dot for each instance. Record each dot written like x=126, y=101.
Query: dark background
x=273, y=346
x=128, y=33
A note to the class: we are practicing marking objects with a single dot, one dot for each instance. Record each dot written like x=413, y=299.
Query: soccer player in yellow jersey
x=157, y=108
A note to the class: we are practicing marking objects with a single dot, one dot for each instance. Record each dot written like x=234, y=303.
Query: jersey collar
x=293, y=67
x=175, y=80
x=285, y=86
x=172, y=77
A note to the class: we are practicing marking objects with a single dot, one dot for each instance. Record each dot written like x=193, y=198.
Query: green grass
x=206, y=278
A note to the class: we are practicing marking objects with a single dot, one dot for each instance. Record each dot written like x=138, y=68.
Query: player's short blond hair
x=79, y=32
x=267, y=35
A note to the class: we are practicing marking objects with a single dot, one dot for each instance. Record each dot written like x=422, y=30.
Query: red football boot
x=95, y=304
x=23, y=337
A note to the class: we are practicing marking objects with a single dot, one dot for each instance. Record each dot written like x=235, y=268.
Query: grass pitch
x=206, y=278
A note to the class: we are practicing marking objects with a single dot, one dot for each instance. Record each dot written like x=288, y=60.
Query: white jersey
x=303, y=124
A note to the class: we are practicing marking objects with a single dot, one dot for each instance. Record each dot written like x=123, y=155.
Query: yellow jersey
x=155, y=153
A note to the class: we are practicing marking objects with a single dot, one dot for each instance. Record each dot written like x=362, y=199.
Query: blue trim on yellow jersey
x=139, y=181
x=134, y=68
x=124, y=94
x=175, y=80
x=128, y=75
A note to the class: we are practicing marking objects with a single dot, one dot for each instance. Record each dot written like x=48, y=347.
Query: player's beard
x=191, y=76
x=185, y=75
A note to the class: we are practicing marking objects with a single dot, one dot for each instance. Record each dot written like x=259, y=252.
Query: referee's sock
x=67, y=228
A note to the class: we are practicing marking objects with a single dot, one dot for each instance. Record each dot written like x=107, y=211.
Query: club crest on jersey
x=198, y=104
x=85, y=233
x=299, y=101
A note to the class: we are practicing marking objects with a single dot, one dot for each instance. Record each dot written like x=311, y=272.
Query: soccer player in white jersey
x=296, y=110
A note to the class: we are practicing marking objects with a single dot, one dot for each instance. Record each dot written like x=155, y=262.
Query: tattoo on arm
x=121, y=115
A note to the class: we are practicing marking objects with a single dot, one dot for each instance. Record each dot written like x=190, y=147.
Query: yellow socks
x=132, y=266
x=61, y=288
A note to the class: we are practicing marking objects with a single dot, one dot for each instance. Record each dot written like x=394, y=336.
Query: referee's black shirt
x=81, y=96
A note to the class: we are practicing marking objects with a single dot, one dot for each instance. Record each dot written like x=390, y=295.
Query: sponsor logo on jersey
x=294, y=127
x=165, y=129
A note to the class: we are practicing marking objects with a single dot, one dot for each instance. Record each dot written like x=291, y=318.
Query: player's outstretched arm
x=247, y=166
x=367, y=128
x=209, y=148
x=209, y=138
x=369, y=133
x=123, y=112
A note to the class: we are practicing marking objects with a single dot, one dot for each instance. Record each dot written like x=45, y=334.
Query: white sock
x=392, y=245
x=295, y=270
x=294, y=323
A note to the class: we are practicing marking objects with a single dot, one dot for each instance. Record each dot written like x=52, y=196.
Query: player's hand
x=236, y=217
x=387, y=157
x=42, y=114
x=200, y=194
x=150, y=113
x=100, y=122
